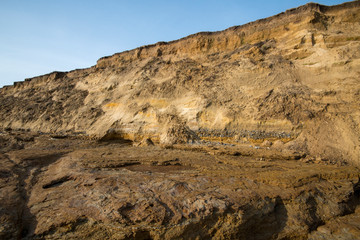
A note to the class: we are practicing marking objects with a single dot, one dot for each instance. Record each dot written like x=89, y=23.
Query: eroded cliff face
x=290, y=77
x=258, y=128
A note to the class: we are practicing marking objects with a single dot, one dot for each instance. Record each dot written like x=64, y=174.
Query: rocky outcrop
x=73, y=188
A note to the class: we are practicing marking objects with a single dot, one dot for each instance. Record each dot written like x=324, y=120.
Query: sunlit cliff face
x=291, y=77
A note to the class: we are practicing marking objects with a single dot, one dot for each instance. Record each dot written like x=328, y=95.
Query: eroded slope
x=292, y=77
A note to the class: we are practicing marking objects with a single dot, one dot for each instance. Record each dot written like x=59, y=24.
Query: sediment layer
x=291, y=77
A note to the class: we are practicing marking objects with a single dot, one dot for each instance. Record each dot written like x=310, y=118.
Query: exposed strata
x=257, y=123
x=295, y=73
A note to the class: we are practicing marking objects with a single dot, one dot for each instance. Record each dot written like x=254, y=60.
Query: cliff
x=248, y=133
x=291, y=77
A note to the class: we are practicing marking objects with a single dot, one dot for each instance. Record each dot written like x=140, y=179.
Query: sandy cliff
x=293, y=76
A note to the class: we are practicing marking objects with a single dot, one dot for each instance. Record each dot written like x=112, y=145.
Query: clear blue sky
x=41, y=36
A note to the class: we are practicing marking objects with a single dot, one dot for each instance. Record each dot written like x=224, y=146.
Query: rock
x=88, y=189
x=8, y=142
x=115, y=190
x=278, y=144
x=346, y=227
x=178, y=133
x=266, y=143
x=295, y=146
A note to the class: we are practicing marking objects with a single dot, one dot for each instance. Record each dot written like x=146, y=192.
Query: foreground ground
x=66, y=187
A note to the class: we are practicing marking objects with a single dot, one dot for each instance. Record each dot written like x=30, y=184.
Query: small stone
x=266, y=143
x=278, y=144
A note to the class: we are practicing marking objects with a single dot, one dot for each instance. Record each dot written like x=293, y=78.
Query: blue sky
x=41, y=36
